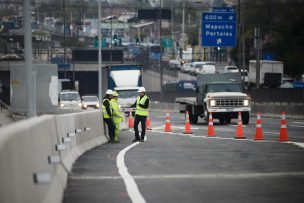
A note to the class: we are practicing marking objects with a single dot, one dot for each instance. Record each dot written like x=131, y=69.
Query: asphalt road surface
x=176, y=167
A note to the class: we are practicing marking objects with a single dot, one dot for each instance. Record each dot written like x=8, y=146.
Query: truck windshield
x=127, y=93
x=70, y=97
x=224, y=88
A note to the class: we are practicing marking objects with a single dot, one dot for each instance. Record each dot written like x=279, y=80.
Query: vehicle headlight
x=97, y=105
x=212, y=102
x=61, y=105
x=79, y=104
x=246, y=102
x=85, y=106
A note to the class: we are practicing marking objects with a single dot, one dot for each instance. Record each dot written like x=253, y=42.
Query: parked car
x=175, y=64
x=89, y=102
x=12, y=57
x=231, y=69
x=69, y=99
x=186, y=68
x=202, y=67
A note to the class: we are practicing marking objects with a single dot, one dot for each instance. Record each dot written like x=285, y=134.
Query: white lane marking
x=300, y=144
x=131, y=186
x=203, y=136
x=272, y=133
x=236, y=125
x=298, y=122
x=297, y=126
x=201, y=176
x=178, y=127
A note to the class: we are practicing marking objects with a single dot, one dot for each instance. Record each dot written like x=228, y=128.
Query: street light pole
x=99, y=55
x=161, y=70
x=64, y=39
x=28, y=60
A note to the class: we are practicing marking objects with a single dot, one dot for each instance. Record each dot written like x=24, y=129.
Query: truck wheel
x=189, y=109
x=245, y=118
x=207, y=118
x=195, y=118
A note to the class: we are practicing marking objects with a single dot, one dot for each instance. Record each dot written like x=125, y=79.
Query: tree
x=282, y=31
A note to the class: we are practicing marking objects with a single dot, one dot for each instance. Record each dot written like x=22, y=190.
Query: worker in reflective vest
x=117, y=117
x=141, y=114
x=108, y=114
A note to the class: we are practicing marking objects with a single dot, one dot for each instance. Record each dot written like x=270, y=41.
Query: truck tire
x=195, y=115
x=245, y=118
x=195, y=118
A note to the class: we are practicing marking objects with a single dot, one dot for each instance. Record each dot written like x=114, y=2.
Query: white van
x=231, y=69
x=203, y=67
x=176, y=64
x=69, y=99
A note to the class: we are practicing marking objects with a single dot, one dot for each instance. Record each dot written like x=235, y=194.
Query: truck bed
x=186, y=100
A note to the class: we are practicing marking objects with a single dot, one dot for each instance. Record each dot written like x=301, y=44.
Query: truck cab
x=224, y=101
x=220, y=94
x=126, y=80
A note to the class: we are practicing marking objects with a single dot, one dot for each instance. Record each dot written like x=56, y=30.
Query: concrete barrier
x=37, y=154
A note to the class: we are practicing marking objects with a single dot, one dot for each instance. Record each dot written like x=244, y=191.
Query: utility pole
x=31, y=108
x=257, y=43
x=239, y=37
x=161, y=69
x=243, y=39
x=172, y=27
x=241, y=46
x=99, y=55
x=64, y=40
x=183, y=28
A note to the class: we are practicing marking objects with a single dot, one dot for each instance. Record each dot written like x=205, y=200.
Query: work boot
x=136, y=139
x=141, y=140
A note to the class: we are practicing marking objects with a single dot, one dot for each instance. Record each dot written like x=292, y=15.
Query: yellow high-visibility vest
x=141, y=111
x=104, y=111
x=116, y=111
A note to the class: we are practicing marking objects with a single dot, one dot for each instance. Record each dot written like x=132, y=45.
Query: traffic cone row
x=168, y=124
x=258, y=130
x=211, y=132
x=187, y=124
x=239, y=129
x=148, y=124
x=283, y=130
x=130, y=123
x=239, y=134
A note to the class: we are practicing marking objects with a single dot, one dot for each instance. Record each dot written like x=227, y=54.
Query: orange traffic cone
x=259, y=130
x=211, y=132
x=239, y=129
x=168, y=124
x=283, y=130
x=148, y=124
x=130, y=125
x=187, y=124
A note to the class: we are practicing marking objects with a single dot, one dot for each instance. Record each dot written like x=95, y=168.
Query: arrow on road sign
x=219, y=41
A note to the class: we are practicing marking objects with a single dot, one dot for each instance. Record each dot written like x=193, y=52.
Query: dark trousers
x=111, y=127
x=142, y=120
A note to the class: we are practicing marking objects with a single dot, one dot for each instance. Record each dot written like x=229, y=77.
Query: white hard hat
x=141, y=89
x=109, y=92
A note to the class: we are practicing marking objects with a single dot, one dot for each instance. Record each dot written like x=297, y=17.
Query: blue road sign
x=219, y=29
x=223, y=9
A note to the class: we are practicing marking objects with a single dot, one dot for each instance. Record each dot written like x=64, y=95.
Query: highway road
x=176, y=167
